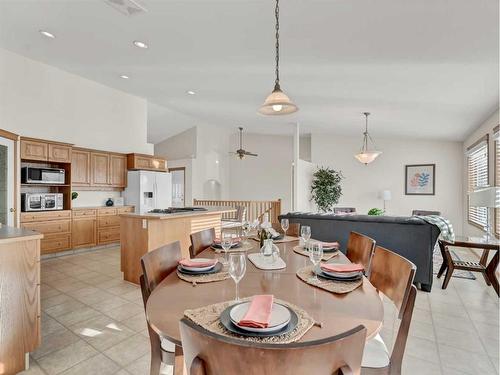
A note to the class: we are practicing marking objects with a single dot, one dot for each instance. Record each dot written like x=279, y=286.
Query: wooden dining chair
x=392, y=275
x=156, y=265
x=206, y=353
x=200, y=241
x=293, y=229
x=360, y=250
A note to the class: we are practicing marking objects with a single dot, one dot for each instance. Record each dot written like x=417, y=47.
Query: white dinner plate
x=199, y=269
x=346, y=275
x=280, y=316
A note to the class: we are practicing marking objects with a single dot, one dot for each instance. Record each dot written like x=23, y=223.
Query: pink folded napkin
x=330, y=245
x=352, y=267
x=259, y=312
x=217, y=241
x=194, y=263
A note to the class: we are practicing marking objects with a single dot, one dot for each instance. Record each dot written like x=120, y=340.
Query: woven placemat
x=243, y=247
x=208, y=318
x=205, y=278
x=339, y=287
x=326, y=256
x=284, y=239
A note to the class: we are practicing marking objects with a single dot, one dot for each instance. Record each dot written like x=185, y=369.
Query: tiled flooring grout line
x=435, y=334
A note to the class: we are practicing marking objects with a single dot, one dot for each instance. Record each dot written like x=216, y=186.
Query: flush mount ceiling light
x=47, y=34
x=124, y=76
x=367, y=155
x=277, y=103
x=190, y=92
x=140, y=44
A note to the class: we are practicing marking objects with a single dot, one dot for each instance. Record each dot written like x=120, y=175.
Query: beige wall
x=483, y=129
x=363, y=183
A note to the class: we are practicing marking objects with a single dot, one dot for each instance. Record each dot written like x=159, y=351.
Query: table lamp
x=385, y=195
x=486, y=197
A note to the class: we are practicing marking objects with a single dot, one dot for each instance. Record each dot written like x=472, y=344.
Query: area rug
x=461, y=274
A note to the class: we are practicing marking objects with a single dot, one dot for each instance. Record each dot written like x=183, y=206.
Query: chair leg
x=443, y=268
x=447, y=278
x=483, y=261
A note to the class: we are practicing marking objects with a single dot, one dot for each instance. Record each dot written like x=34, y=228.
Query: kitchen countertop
x=12, y=234
x=98, y=207
x=209, y=211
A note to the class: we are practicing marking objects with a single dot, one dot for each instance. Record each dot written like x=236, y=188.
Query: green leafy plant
x=74, y=195
x=325, y=188
x=376, y=212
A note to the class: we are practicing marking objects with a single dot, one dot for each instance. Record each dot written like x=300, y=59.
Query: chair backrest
x=344, y=210
x=425, y=213
x=158, y=264
x=360, y=249
x=201, y=240
x=206, y=353
x=241, y=213
x=293, y=229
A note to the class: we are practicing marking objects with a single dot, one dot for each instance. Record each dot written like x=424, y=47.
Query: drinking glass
x=305, y=233
x=245, y=228
x=315, y=255
x=226, y=243
x=285, y=225
x=237, y=268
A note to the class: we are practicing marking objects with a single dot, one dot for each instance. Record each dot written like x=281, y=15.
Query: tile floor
x=93, y=323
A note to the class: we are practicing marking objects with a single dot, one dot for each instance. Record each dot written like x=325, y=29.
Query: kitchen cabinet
x=59, y=153
x=80, y=168
x=83, y=228
x=100, y=169
x=40, y=150
x=146, y=162
x=118, y=170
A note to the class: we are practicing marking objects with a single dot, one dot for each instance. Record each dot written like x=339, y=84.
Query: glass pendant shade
x=277, y=103
x=366, y=157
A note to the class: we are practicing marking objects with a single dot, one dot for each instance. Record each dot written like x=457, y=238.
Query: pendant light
x=366, y=156
x=277, y=103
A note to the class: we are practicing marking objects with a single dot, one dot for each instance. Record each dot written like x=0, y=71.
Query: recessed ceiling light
x=190, y=92
x=140, y=44
x=124, y=76
x=47, y=34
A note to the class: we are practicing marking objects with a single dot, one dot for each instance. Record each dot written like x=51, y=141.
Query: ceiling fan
x=240, y=153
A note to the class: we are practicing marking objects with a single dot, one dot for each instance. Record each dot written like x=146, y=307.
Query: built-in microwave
x=37, y=175
x=41, y=201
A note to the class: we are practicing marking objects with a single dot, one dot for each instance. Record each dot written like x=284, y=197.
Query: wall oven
x=36, y=175
x=41, y=201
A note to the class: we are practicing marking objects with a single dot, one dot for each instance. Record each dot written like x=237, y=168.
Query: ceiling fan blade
x=250, y=153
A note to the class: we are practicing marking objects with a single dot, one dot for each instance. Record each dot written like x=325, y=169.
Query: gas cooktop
x=174, y=210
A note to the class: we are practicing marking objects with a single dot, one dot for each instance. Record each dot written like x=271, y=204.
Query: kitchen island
x=140, y=233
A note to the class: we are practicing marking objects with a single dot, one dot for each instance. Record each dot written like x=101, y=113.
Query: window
x=496, y=137
x=477, y=176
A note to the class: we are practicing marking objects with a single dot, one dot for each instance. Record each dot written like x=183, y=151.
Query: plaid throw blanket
x=443, y=224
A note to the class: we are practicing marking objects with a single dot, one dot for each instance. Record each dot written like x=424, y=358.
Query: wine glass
x=245, y=228
x=226, y=243
x=315, y=256
x=305, y=234
x=237, y=268
x=285, y=225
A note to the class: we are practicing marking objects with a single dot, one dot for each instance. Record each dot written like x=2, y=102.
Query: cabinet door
x=100, y=169
x=142, y=162
x=158, y=164
x=83, y=232
x=118, y=170
x=59, y=153
x=80, y=168
x=34, y=150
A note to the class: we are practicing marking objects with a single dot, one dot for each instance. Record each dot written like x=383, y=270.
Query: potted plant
x=325, y=188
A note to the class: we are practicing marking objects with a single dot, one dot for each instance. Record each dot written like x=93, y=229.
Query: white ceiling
x=425, y=68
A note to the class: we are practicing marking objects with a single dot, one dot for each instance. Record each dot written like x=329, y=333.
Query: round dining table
x=334, y=313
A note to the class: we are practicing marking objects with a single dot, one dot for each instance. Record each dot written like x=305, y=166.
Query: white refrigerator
x=148, y=190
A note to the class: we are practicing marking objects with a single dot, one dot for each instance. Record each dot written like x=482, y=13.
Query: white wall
x=479, y=132
x=38, y=100
x=305, y=171
x=363, y=183
x=179, y=146
x=266, y=177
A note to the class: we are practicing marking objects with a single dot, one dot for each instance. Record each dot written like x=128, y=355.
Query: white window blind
x=477, y=175
x=496, y=137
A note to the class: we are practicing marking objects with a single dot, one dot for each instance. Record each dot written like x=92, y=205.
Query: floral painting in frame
x=420, y=179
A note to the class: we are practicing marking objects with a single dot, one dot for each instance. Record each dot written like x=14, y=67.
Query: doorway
x=178, y=186
x=8, y=176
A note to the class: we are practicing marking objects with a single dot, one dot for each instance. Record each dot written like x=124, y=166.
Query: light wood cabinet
x=83, y=232
x=80, y=168
x=59, y=153
x=118, y=170
x=146, y=162
x=55, y=225
x=100, y=169
x=34, y=150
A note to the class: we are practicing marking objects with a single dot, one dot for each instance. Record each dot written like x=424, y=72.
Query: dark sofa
x=411, y=237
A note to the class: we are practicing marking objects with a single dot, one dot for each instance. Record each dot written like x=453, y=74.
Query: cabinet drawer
x=84, y=213
x=51, y=227
x=108, y=235
x=44, y=216
x=109, y=221
x=55, y=242
x=123, y=210
x=106, y=211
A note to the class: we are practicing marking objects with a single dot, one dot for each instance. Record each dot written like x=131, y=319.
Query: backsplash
x=93, y=198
